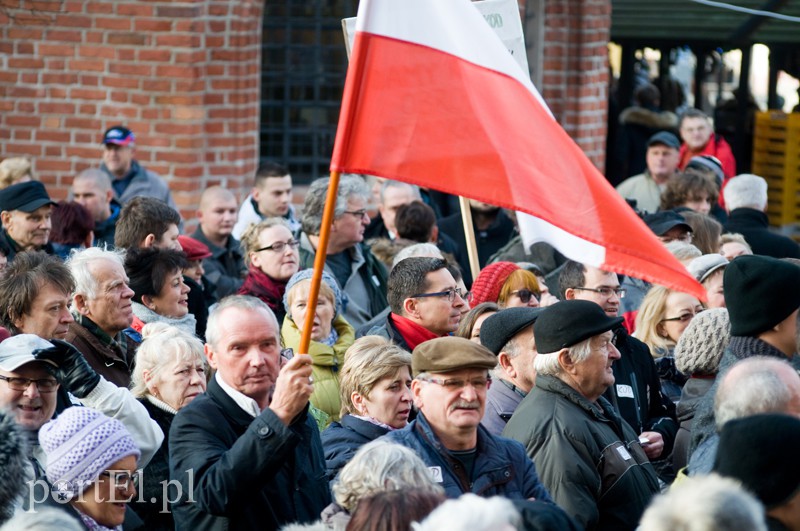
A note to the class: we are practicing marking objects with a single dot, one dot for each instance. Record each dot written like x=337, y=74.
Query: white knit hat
x=702, y=344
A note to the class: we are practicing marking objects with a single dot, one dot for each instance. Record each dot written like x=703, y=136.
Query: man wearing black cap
x=663, y=156
x=590, y=459
x=128, y=177
x=451, y=376
x=762, y=295
x=509, y=335
x=25, y=212
x=761, y=452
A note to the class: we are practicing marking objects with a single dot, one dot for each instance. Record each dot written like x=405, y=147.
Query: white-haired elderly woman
x=331, y=336
x=375, y=389
x=378, y=466
x=170, y=372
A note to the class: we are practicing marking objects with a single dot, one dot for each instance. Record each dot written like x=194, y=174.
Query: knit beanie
x=760, y=292
x=761, y=452
x=702, y=343
x=306, y=274
x=80, y=444
x=486, y=288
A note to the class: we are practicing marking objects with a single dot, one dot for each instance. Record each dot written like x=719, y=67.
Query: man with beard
x=247, y=453
x=590, y=459
x=492, y=226
x=451, y=377
x=225, y=268
x=25, y=210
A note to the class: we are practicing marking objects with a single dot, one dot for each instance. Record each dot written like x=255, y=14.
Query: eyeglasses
x=684, y=317
x=457, y=384
x=120, y=479
x=605, y=291
x=45, y=385
x=450, y=294
x=278, y=247
x=357, y=213
x=525, y=295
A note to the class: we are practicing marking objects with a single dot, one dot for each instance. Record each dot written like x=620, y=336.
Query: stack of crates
x=776, y=158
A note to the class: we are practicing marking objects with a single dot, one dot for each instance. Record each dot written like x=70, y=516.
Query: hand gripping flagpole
x=319, y=261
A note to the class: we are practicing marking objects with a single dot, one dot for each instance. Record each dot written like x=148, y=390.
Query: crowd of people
x=153, y=377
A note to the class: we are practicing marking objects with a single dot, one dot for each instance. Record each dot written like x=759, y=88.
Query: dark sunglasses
x=525, y=295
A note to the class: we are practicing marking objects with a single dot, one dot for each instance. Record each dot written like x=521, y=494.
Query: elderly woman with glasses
x=170, y=371
x=507, y=284
x=660, y=322
x=331, y=335
x=91, y=464
x=272, y=257
x=375, y=390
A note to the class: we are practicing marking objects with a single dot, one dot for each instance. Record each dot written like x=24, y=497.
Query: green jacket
x=365, y=290
x=589, y=458
x=327, y=361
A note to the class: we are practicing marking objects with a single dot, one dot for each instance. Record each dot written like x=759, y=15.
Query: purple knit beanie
x=80, y=444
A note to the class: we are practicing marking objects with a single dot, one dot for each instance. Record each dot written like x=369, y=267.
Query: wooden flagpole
x=469, y=235
x=319, y=261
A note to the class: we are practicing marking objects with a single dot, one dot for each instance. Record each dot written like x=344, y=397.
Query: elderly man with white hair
x=746, y=200
x=589, y=458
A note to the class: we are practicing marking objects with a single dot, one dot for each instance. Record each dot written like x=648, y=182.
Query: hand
x=547, y=299
x=292, y=388
x=655, y=447
x=72, y=370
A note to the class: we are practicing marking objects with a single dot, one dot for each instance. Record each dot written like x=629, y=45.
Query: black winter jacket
x=341, y=440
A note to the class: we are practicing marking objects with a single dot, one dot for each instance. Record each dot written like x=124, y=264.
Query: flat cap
x=26, y=197
x=498, y=329
x=445, y=354
x=567, y=323
x=702, y=266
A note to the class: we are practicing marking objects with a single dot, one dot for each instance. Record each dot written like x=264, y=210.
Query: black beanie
x=761, y=452
x=760, y=292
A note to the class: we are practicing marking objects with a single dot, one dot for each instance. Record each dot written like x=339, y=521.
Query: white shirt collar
x=249, y=405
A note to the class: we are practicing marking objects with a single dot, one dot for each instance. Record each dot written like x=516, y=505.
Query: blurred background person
x=689, y=190
x=393, y=510
x=73, y=228
x=733, y=245
x=706, y=231
x=470, y=325
x=15, y=170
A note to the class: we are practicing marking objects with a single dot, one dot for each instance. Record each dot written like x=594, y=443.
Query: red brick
x=105, y=8
x=59, y=50
x=97, y=51
x=82, y=152
x=65, y=36
x=87, y=108
x=25, y=62
x=130, y=70
x=23, y=149
x=126, y=55
x=185, y=41
x=158, y=55
x=87, y=94
x=121, y=82
x=73, y=21
x=152, y=24
x=92, y=65
x=136, y=9
x=52, y=136
x=178, y=11
x=113, y=23
x=134, y=39
x=174, y=71
x=49, y=78
x=27, y=33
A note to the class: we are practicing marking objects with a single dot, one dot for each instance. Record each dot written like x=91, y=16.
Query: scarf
x=413, y=333
x=91, y=525
x=374, y=421
x=332, y=338
x=187, y=323
x=259, y=284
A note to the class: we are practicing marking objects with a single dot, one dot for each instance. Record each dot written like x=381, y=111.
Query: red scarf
x=413, y=333
x=259, y=284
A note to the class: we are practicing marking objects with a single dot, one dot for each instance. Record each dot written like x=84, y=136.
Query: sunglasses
x=525, y=295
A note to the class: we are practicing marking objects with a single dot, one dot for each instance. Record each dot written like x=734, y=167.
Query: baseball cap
x=661, y=222
x=119, y=135
x=666, y=138
x=18, y=350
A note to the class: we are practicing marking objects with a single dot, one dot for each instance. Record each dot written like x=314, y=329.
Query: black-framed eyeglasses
x=357, y=213
x=525, y=295
x=449, y=293
x=278, y=247
x=44, y=385
x=605, y=291
x=121, y=479
x=684, y=317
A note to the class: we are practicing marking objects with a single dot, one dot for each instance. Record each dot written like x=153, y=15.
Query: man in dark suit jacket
x=246, y=453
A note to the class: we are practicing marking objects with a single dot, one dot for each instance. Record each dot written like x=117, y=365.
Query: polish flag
x=433, y=98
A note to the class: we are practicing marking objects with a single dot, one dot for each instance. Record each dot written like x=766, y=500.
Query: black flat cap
x=26, y=197
x=567, y=323
x=661, y=222
x=498, y=329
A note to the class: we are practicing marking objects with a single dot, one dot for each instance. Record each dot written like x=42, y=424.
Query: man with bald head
x=217, y=215
x=92, y=189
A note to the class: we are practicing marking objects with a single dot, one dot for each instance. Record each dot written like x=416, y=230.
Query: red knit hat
x=486, y=288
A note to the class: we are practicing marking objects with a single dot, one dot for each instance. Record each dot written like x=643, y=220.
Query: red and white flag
x=433, y=98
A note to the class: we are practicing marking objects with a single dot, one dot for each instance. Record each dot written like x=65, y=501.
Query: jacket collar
x=750, y=215
x=601, y=410
x=241, y=408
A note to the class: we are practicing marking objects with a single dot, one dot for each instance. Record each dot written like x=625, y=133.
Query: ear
x=255, y=260
x=505, y=362
x=149, y=241
x=660, y=330
x=109, y=195
x=255, y=192
x=416, y=392
x=80, y=303
x=147, y=300
x=565, y=361
x=210, y=356
x=410, y=307
x=434, y=234
x=198, y=214
x=5, y=217
x=149, y=382
x=358, y=403
x=89, y=239
x=569, y=294
x=17, y=322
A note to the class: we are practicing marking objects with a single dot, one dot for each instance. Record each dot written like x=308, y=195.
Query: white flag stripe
x=533, y=229
x=455, y=27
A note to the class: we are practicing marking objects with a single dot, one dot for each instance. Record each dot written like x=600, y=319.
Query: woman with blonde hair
x=331, y=336
x=506, y=284
x=14, y=170
x=171, y=370
x=375, y=389
x=663, y=316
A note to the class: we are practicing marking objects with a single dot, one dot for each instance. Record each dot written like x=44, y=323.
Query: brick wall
x=575, y=76
x=184, y=76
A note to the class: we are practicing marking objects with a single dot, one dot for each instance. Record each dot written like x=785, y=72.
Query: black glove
x=71, y=369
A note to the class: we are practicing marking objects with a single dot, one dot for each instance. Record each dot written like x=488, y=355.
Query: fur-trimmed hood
x=648, y=118
x=14, y=464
